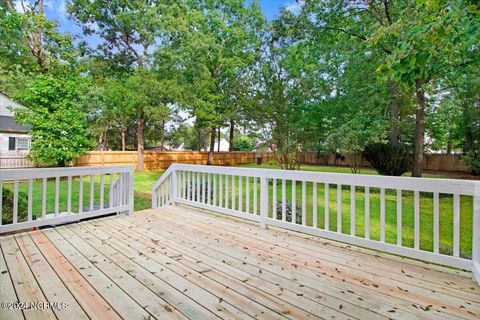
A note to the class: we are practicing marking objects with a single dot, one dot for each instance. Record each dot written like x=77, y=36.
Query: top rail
x=466, y=187
x=36, y=173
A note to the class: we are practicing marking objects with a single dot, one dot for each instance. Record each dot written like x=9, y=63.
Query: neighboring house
x=15, y=140
x=13, y=136
x=224, y=145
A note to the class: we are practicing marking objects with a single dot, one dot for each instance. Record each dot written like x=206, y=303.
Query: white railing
x=252, y=194
x=52, y=196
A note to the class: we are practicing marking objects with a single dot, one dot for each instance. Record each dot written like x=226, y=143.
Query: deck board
x=7, y=290
x=184, y=263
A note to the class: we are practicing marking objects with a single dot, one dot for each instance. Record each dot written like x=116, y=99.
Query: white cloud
x=295, y=7
x=27, y=4
x=61, y=10
x=18, y=6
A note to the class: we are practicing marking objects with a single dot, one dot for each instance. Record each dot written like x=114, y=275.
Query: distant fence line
x=14, y=159
x=435, y=162
x=160, y=160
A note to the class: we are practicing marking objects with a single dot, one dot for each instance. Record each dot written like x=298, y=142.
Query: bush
x=288, y=212
x=7, y=206
x=242, y=143
x=390, y=159
x=472, y=159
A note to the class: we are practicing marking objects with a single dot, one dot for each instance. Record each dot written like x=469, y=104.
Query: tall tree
x=438, y=36
x=217, y=47
x=342, y=27
x=131, y=31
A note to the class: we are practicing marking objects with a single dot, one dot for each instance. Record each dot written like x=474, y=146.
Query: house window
x=11, y=143
x=23, y=144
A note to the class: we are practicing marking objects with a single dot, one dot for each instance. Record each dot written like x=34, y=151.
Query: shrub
x=390, y=159
x=472, y=159
x=7, y=206
x=242, y=143
x=288, y=212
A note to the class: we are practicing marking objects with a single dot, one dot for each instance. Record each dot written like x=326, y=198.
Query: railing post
x=130, y=190
x=263, y=202
x=173, y=186
x=476, y=233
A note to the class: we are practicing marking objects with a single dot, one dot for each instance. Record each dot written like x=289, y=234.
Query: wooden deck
x=178, y=262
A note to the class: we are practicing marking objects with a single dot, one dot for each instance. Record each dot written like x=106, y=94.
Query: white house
x=224, y=145
x=13, y=137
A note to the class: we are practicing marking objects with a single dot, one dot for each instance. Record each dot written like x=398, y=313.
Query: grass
x=333, y=169
x=145, y=180
x=426, y=210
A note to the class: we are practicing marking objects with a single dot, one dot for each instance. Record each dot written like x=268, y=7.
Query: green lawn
x=145, y=180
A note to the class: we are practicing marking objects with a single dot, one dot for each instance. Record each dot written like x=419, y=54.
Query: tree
x=343, y=31
x=59, y=127
x=130, y=31
x=118, y=96
x=439, y=36
x=217, y=47
x=30, y=44
x=289, y=90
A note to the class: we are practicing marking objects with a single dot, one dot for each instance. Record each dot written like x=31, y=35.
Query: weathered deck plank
x=51, y=285
x=24, y=281
x=183, y=263
x=293, y=271
x=92, y=303
x=7, y=292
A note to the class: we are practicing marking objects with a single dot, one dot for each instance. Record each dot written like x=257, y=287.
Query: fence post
x=476, y=233
x=130, y=190
x=263, y=202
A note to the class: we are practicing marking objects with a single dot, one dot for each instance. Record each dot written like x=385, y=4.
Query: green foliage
x=242, y=143
x=472, y=159
x=7, y=206
x=59, y=128
x=288, y=212
x=390, y=159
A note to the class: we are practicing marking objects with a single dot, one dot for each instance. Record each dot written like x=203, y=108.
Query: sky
x=56, y=10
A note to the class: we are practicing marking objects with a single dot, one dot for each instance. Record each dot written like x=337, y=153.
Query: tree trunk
x=123, y=139
x=419, y=128
x=100, y=142
x=218, y=148
x=394, y=134
x=212, y=146
x=232, y=129
x=140, y=142
x=199, y=140
x=162, y=142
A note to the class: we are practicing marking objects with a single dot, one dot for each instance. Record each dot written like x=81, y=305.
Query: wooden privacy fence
x=160, y=160
x=436, y=162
